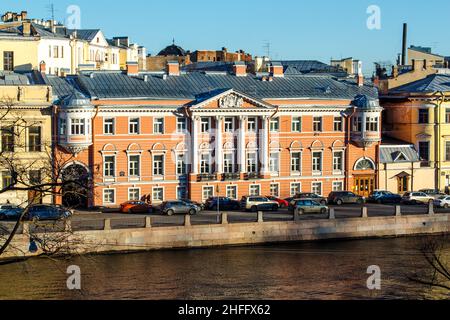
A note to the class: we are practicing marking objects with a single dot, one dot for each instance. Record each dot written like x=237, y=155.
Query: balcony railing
x=252, y=175
x=206, y=177
x=231, y=176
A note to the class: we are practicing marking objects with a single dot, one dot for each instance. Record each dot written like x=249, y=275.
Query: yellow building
x=419, y=113
x=25, y=138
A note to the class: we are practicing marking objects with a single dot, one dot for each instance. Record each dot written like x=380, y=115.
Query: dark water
x=326, y=270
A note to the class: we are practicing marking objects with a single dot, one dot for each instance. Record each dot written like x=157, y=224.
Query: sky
x=296, y=29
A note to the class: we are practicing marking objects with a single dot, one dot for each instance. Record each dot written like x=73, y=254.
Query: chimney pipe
x=405, y=40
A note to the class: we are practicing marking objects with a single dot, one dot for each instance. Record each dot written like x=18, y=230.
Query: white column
x=195, y=133
x=219, y=145
x=241, y=145
x=264, y=148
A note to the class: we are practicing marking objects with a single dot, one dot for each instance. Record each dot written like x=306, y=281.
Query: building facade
x=196, y=135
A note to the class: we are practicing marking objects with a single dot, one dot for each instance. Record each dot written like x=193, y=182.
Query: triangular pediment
x=230, y=99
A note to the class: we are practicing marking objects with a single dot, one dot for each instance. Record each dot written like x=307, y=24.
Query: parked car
x=383, y=197
x=345, y=197
x=305, y=206
x=442, y=202
x=433, y=193
x=221, y=203
x=201, y=205
x=179, y=207
x=255, y=204
x=136, y=207
x=43, y=212
x=417, y=198
x=281, y=202
x=10, y=211
x=313, y=196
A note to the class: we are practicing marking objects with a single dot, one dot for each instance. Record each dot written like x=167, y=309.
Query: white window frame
x=274, y=125
x=80, y=125
x=114, y=196
x=275, y=170
x=321, y=187
x=319, y=122
x=294, y=172
x=254, y=125
x=341, y=122
x=106, y=177
x=181, y=125
x=236, y=191
x=299, y=188
x=209, y=188
x=335, y=171
x=134, y=177
x=180, y=156
x=226, y=164
x=278, y=189
x=158, y=125
x=254, y=186
x=229, y=127
x=296, y=125
x=204, y=124
x=139, y=193
x=208, y=162
x=154, y=200
x=248, y=161
x=340, y=183
x=317, y=172
x=163, y=166
x=113, y=126
x=138, y=125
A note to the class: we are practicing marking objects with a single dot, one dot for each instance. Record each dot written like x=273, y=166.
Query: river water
x=322, y=270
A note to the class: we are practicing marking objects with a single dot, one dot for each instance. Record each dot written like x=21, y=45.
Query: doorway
x=364, y=185
x=75, y=190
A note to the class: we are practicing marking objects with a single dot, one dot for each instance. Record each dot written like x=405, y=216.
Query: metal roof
x=11, y=79
x=398, y=154
x=431, y=84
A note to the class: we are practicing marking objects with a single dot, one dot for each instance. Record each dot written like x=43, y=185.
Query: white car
x=442, y=202
x=417, y=198
x=255, y=204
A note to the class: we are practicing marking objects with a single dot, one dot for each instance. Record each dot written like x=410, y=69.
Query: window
x=338, y=161
x=158, y=126
x=34, y=139
x=316, y=188
x=158, y=194
x=134, y=126
x=205, y=164
x=275, y=190
x=252, y=125
x=62, y=126
x=317, y=162
x=424, y=150
x=274, y=163
x=372, y=124
x=317, y=124
x=35, y=177
x=252, y=163
x=181, y=164
x=109, y=196
x=8, y=61
x=109, y=168
x=296, y=162
x=78, y=126
x=158, y=165
x=274, y=125
x=207, y=192
x=108, y=126
x=296, y=188
x=296, y=124
x=55, y=52
x=255, y=190
x=338, y=124
x=181, y=193
x=229, y=125
x=134, y=194
x=447, y=151
x=424, y=116
x=357, y=124
x=181, y=125
x=8, y=139
x=232, y=192
x=6, y=179
x=447, y=116
x=62, y=52
x=338, y=186
x=228, y=163
x=134, y=166
x=205, y=125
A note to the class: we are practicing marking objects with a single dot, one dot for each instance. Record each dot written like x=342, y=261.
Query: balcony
x=206, y=177
x=252, y=176
x=231, y=177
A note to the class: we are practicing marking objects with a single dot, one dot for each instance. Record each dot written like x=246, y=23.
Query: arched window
x=364, y=164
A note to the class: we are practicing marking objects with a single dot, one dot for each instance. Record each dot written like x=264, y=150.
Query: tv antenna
x=51, y=9
x=267, y=48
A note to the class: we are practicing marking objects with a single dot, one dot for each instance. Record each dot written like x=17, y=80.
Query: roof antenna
x=173, y=41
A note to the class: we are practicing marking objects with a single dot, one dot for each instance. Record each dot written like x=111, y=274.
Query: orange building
x=196, y=135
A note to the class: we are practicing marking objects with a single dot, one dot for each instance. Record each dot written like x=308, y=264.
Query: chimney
x=42, y=67
x=277, y=70
x=395, y=71
x=405, y=43
x=360, y=80
x=376, y=81
x=173, y=68
x=240, y=69
x=24, y=15
x=132, y=68
x=26, y=29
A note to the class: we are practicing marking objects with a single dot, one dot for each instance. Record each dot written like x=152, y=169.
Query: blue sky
x=296, y=29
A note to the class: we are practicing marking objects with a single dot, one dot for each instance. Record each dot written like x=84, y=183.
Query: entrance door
x=403, y=184
x=364, y=185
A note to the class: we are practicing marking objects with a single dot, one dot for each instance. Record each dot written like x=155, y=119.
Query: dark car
x=312, y=196
x=179, y=207
x=305, y=206
x=10, y=211
x=222, y=203
x=345, y=197
x=201, y=205
x=47, y=212
x=383, y=197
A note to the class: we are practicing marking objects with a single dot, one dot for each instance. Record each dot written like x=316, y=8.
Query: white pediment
x=232, y=100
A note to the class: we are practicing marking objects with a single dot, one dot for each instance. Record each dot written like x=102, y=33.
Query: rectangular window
x=255, y=190
x=158, y=194
x=8, y=61
x=181, y=164
x=338, y=124
x=205, y=164
x=424, y=116
x=338, y=186
x=317, y=124
x=35, y=177
x=357, y=124
x=62, y=126
x=62, y=52
x=158, y=126
x=338, y=162
x=275, y=190
x=232, y=192
x=229, y=125
x=296, y=124
x=372, y=124
x=109, y=166
x=205, y=125
x=274, y=163
x=296, y=188
x=55, y=52
x=158, y=165
x=109, y=196
x=34, y=139
x=134, y=166
x=316, y=188
x=424, y=150
x=252, y=166
x=6, y=179
x=228, y=163
x=296, y=162
x=252, y=125
x=207, y=192
x=8, y=139
x=275, y=125
x=181, y=125
x=447, y=116
x=109, y=126
x=78, y=126
x=134, y=194
x=447, y=151
x=317, y=163
x=134, y=127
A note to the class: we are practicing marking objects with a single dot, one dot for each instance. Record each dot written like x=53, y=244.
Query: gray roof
x=398, y=154
x=11, y=79
x=84, y=34
x=310, y=66
x=431, y=84
x=110, y=85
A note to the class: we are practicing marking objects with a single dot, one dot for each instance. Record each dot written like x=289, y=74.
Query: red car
x=135, y=207
x=282, y=203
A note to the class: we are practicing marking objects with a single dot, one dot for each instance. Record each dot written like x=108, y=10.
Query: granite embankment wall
x=226, y=234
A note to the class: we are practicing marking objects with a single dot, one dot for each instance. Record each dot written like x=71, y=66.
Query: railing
x=252, y=175
x=231, y=176
x=206, y=177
